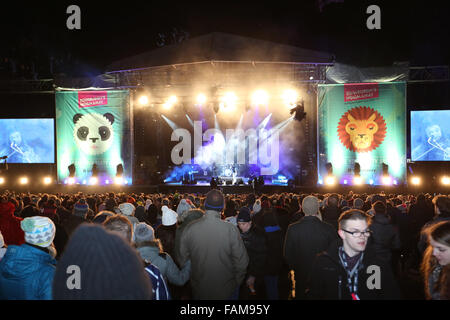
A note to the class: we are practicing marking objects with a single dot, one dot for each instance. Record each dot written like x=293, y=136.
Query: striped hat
x=39, y=231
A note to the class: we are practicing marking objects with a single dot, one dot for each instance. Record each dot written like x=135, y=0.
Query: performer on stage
x=436, y=147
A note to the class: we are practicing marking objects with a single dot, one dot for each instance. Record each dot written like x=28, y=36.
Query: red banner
x=92, y=98
x=360, y=91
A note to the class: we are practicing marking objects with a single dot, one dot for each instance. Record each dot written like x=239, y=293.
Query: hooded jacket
x=218, y=257
x=328, y=278
x=10, y=225
x=26, y=273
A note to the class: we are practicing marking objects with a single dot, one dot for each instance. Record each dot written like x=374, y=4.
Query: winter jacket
x=255, y=244
x=304, y=240
x=330, y=214
x=384, y=238
x=188, y=218
x=150, y=251
x=328, y=278
x=218, y=257
x=26, y=273
x=10, y=225
x=274, y=241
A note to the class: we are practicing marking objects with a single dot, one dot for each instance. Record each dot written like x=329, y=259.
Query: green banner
x=93, y=127
x=363, y=123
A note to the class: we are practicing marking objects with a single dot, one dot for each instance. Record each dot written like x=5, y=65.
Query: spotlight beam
x=171, y=124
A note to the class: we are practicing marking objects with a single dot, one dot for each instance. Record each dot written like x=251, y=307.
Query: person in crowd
x=10, y=224
x=384, y=237
x=3, y=247
x=183, y=221
x=304, y=240
x=331, y=210
x=183, y=207
x=217, y=253
x=92, y=249
x=274, y=267
x=78, y=216
x=358, y=204
x=102, y=216
x=255, y=244
x=128, y=209
x=441, y=213
x=150, y=250
x=342, y=272
x=121, y=225
x=435, y=266
x=26, y=271
x=167, y=230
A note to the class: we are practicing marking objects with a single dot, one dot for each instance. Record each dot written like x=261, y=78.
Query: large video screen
x=27, y=140
x=430, y=135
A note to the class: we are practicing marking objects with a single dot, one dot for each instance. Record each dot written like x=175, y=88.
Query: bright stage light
x=445, y=180
x=93, y=180
x=201, y=98
x=2, y=180
x=71, y=181
x=47, y=180
x=415, y=181
x=290, y=97
x=387, y=180
x=260, y=98
x=23, y=180
x=143, y=100
x=357, y=181
x=118, y=180
x=330, y=180
x=228, y=102
x=170, y=102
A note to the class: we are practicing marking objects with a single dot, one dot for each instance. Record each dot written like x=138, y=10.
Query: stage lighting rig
x=299, y=110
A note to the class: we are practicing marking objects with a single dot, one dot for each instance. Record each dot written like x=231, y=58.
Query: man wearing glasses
x=347, y=271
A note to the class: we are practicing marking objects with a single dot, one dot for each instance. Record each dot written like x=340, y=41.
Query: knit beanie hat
x=143, y=232
x=126, y=208
x=169, y=217
x=81, y=208
x=39, y=231
x=244, y=215
x=257, y=206
x=214, y=200
x=310, y=205
x=110, y=268
x=183, y=206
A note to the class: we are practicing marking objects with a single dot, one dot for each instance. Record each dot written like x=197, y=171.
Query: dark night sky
x=410, y=30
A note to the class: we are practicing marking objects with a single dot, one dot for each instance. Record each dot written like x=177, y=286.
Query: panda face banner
x=362, y=124
x=93, y=127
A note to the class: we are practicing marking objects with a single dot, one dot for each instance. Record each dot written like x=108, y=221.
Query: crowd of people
x=183, y=246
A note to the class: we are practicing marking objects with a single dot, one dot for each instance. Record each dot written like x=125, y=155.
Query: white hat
x=169, y=217
x=127, y=208
x=39, y=230
x=2, y=241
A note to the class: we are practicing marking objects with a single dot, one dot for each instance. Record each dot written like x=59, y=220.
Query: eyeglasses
x=357, y=234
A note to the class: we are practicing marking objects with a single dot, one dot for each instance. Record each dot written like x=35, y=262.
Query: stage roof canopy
x=219, y=46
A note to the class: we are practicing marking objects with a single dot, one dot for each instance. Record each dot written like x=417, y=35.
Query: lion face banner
x=365, y=124
x=93, y=127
